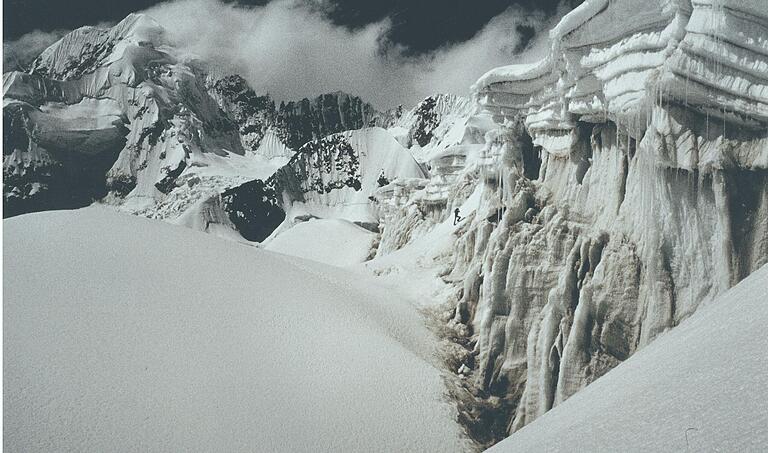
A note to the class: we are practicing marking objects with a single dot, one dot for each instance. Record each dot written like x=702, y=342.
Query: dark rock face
x=319, y=167
x=254, y=209
x=427, y=120
x=328, y=164
x=167, y=184
x=37, y=179
x=252, y=113
x=327, y=114
x=296, y=123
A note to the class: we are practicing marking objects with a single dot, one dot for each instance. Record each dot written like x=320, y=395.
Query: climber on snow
x=456, y=217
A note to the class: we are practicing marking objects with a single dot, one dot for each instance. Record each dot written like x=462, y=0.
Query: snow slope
x=122, y=331
x=704, y=380
x=332, y=241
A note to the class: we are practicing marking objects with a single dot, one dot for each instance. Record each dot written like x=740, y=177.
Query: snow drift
x=331, y=241
x=121, y=331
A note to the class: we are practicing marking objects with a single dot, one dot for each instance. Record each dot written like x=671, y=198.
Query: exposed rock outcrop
x=294, y=122
x=335, y=177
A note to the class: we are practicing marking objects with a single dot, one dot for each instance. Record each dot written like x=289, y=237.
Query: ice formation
x=624, y=185
x=688, y=391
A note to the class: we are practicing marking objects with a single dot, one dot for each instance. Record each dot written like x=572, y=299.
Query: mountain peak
x=87, y=48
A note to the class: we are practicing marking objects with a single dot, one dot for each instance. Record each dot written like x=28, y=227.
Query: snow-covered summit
x=88, y=48
x=111, y=114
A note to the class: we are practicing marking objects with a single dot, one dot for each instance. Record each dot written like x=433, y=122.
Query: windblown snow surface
x=699, y=387
x=332, y=241
x=123, y=333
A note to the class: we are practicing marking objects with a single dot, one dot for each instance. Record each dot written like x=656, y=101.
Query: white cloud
x=291, y=50
x=19, y=53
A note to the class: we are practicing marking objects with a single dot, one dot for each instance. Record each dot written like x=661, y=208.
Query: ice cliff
x=621, y=184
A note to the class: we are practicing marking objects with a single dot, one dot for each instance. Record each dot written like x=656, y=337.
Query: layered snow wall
x=623, y=186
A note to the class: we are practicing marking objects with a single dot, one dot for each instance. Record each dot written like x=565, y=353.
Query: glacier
x=622, y=185
x=257, y=352
x=690, y=390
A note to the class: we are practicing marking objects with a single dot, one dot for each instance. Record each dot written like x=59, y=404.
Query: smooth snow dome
x=331, y=241
x=699, y=387
x=123, y=333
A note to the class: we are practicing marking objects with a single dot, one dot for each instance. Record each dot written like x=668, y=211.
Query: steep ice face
x=688, y=390
x=623, y=185
x=88, y=48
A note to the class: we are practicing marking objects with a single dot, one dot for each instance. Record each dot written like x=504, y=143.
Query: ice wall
x=624, y=185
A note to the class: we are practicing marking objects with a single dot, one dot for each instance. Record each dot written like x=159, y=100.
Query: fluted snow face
x=623, y=186
x=87, y=48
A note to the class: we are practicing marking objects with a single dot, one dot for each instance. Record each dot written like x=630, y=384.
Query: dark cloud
x=418, y=26
x=23, y=16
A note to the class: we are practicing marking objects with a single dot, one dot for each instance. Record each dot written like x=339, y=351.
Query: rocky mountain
x=332, y=177
x=606, y=192
x=295, y=123
x=114, y=115
x=118, y=116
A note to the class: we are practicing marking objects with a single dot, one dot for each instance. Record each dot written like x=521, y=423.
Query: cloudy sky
x=387, y=51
